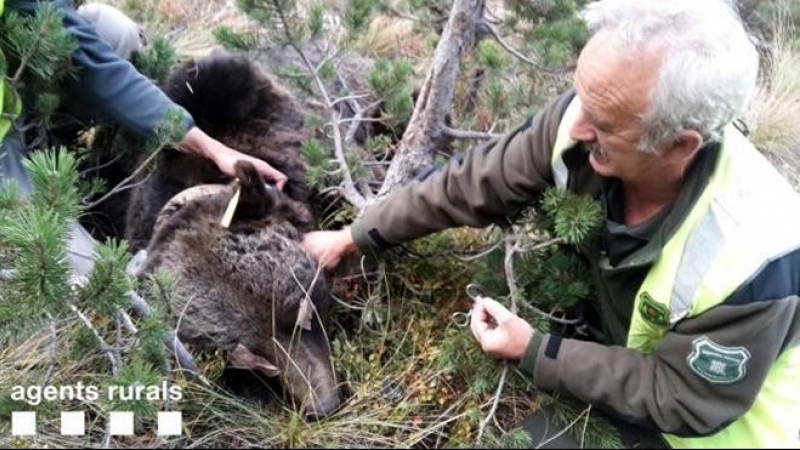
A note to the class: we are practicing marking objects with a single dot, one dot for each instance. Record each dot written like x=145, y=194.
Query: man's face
x=614, y=92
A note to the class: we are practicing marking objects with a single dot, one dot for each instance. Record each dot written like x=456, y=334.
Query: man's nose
x=582, y=130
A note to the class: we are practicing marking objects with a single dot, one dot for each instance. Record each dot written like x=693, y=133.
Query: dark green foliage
x=54, y=176
x=278, y=18
x=45, y=105
x=234, y=40
x=316, y=23
x=170, y=132
x=9, y=199
x=327, y=71
x=158, y=287
x=135, y=373
x=108, y=286
x=297, y=77
x=600, y=432
x=391, y=80
x=572, y=217
x=37, y=50
x=491, y=55
x=157, y=61
x=558, y=280
x=37, y=44
x=41, y=282
x=495, y=98
x=358, y=14
x=558, y=34
x=318, y=162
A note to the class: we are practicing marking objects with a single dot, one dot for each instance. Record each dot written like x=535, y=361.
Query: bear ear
x=243, y=358
x=177, y=202
x=257, y=198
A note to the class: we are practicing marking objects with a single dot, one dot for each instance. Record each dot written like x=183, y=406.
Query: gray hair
x=709, y=64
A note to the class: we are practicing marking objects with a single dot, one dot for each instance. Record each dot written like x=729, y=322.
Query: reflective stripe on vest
x=732, y=231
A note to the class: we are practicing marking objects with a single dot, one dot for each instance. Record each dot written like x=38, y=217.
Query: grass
x=774, y=114
x=414, y=379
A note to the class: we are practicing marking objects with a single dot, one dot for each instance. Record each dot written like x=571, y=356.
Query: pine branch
x=26, y=58
x=350, y=191
x=108, y=351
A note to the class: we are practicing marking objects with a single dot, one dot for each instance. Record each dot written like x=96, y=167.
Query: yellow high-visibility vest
x=10, y=106
x=731, y=232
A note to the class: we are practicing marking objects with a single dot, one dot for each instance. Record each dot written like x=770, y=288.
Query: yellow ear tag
x=228, y=216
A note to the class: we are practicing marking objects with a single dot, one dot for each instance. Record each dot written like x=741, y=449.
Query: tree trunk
x=425, y=131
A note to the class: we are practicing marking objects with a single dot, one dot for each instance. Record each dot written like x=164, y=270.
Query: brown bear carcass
x=248, y=288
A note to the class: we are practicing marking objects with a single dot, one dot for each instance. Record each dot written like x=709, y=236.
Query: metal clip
x=474, y=291
x=462, y=319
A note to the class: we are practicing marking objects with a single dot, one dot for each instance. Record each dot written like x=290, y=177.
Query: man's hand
x=329, y=247
x=507, y=339
x=198, y=142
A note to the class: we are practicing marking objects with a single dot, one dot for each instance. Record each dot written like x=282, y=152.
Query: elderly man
x=698, y=265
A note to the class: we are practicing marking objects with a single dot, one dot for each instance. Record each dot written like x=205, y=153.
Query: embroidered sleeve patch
x=652, y=311
x=717, y=364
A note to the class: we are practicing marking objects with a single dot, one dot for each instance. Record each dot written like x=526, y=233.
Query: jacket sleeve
x=487, y=184
x=108, y=84
x=669, y=390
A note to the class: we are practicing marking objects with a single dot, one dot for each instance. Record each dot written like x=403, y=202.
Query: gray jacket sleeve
x=670, y=390
x=108, y=84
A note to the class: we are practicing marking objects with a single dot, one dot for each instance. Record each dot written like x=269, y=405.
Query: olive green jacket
x=661, y=390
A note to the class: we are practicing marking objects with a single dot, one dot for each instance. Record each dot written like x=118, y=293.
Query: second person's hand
x=329, y=247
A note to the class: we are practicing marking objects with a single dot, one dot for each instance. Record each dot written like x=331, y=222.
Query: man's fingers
x=479, y=321
x=496, y=310
x=273, y=174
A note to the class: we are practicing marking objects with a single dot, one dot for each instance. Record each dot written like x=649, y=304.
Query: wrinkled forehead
x=615, y=84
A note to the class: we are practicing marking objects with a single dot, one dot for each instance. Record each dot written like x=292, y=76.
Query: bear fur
x=235, y=102
x=249, y=288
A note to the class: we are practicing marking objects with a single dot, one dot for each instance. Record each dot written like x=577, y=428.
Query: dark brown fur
x=235, y=102
x=245, y=284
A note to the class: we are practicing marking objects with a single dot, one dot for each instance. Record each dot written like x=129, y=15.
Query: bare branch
x=126, y=183
x=425, y=130
x=51, y=364
x=350, y=191
x=358, y=120
x=109, y=352
x=495, y=403
x=490, y=29
x=348, y=98
x=174, y=345
x=513, y=290
x=467, y=134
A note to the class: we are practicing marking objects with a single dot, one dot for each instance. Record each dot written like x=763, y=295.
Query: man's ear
x=685, y=147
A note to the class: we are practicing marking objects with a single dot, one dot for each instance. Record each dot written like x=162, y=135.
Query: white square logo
x=121, y=423
x=73, y=423
x=23, y=423
x=170, y=423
